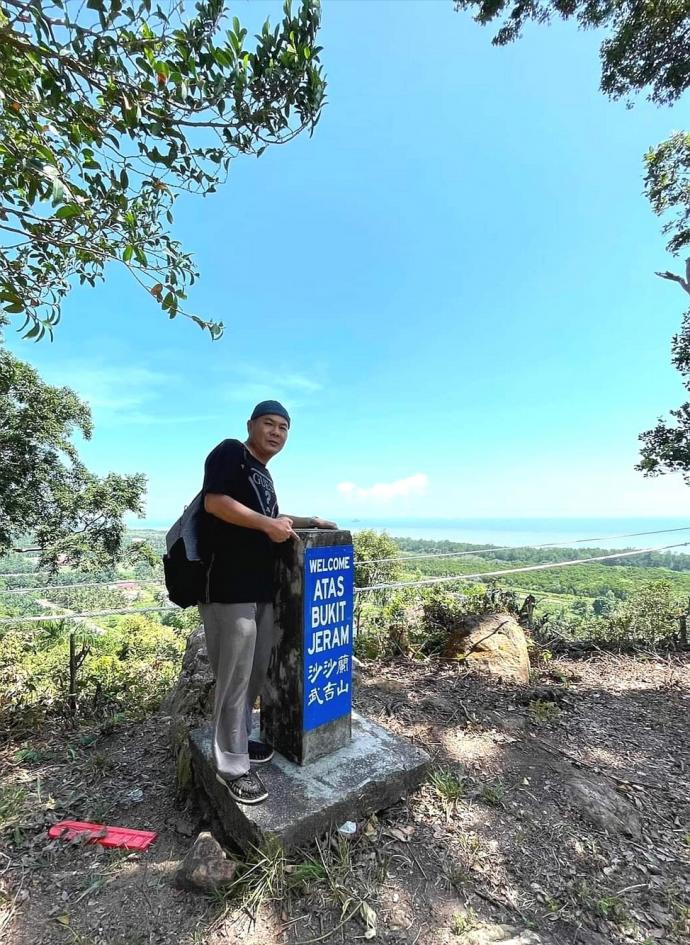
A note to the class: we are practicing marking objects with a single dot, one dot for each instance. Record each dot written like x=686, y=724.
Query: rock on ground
x=602, y=806
x=495, y=644
x=499, y=935
x=205, y=868
x=189, y=703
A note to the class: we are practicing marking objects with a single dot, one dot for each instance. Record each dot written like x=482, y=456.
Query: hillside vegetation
x=126, y=662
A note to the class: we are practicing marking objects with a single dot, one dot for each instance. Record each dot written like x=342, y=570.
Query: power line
x=90, y=613
x=523, y=570
x=365, y=564
x=459, y=554
x=494, y=548
x=22, y=573
x=60, y=587
x=361, y=590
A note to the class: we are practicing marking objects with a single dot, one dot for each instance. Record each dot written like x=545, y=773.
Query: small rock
x=586, y=937
x=205, y=868
x=184, y=826
x=602, y=806
x=541, y=694
x=499, y=935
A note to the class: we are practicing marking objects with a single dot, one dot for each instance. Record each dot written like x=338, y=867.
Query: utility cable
x=494, y=548
x=523, y=570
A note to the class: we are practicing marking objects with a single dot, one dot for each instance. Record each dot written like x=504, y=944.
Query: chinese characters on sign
x=328, y=591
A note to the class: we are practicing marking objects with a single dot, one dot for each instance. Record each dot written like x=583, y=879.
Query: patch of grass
x=459, y=874
x=330, y=874
x=97, y=810
x=611, y=908
x=112, y=723
x=32, y=756
x=681, y=920
x=260, y=879
x=464, y=922
x=543, y=711
x=302, y=876
x=493, y=793
x=12, y=800
x=448, y=785
x=99, y=764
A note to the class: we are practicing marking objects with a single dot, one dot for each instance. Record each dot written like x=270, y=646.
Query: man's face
x=268, y=433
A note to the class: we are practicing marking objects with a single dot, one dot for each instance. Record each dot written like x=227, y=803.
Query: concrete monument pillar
x=330, y=765
x=306, y=707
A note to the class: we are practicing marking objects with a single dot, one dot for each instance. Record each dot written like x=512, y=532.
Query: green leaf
x=45, y=153
x=128, y=253
x=69, y=210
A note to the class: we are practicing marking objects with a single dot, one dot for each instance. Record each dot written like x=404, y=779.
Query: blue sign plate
x=328, y=594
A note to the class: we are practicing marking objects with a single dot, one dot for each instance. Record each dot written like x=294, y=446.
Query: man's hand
x=323, y=523
x=280, y=529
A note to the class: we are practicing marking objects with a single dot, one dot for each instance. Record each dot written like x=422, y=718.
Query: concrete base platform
x=371, y=773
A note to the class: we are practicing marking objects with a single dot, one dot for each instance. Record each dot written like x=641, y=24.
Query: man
x=240, y=529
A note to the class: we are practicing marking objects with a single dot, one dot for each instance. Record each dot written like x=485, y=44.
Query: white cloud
x=116, y=388
x=411, y=485
x=253, y=384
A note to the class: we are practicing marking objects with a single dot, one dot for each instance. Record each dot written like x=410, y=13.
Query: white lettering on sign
x=328, y=579
x=328, y=667
x=329, y=587
x=329, y=639
x=319, y=565
x=323, y=614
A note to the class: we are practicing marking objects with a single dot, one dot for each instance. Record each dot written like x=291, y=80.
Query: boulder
x=205, y=868
x=495, y=644
x=603, y=806
x=189, y=704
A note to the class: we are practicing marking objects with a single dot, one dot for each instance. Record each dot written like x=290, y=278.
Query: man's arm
x=313, y=521
x=235, y=513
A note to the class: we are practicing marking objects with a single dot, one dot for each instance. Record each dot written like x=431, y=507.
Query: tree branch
x=671, y=276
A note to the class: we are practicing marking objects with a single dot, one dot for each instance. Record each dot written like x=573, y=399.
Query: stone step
x=369, y=774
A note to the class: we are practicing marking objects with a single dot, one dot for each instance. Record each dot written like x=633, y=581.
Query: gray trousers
x=239, y=639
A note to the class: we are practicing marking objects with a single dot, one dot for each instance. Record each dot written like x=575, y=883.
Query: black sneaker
x=247, y=789
x=259, y=752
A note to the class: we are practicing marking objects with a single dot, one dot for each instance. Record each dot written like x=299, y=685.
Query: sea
x=522, y=532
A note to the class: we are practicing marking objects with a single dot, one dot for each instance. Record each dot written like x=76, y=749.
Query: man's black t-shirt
x=240, y=560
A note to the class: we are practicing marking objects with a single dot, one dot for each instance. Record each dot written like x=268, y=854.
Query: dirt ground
x=507, y=830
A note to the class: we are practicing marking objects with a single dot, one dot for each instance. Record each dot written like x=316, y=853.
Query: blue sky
x=450, y=286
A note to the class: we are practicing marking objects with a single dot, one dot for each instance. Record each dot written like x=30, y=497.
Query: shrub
x=649, y=615
x=129, y=667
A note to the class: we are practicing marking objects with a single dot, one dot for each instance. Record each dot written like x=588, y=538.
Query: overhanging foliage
x=108, y=111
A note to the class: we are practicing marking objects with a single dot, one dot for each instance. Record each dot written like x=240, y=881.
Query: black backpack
x=185, y=571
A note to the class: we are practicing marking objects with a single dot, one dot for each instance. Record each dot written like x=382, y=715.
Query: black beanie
x=270, y=406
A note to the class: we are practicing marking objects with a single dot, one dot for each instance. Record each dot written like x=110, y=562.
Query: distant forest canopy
x=615, y=579
x=526, y=555
x=155, y=537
